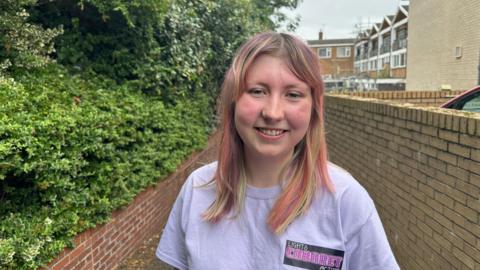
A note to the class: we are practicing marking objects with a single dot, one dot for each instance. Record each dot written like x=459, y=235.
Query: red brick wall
x=105, y=246
x=422, y=168
x=337, y=66
x=399, y=73
x=372, y=74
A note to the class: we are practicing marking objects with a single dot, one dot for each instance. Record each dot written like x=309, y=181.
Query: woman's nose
x=273, y=109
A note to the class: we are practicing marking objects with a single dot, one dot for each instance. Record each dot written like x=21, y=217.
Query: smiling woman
x=273, y=201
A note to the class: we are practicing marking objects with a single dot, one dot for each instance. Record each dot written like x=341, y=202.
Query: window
x=469, y=103
x=385, y=61
x=402, y=38
x=399, y=60
x=402, y=33
x=343, y=52
x=472, y=105
x=325, y=52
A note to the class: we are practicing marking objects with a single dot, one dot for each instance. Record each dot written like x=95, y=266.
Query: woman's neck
x=265, y=172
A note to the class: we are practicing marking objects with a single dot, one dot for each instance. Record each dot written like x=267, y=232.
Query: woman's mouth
x=271, y=131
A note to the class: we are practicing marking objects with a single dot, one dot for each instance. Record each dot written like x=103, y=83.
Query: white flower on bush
x=47, y=221
x=7, y=250
x=32, y=251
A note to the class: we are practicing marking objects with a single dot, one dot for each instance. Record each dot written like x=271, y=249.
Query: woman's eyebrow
x=289, y=85
x=298, y=86
x=256, y=84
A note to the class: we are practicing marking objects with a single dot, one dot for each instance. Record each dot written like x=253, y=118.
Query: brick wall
x=399, y=73
x=421, y=98
x=105, y=246
x=422, y=168
x=337, y=66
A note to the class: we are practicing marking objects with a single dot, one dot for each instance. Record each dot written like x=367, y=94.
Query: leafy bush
x=24, y=45
x=72, y=151
x=169, y=48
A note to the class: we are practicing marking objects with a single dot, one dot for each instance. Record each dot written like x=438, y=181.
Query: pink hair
x=308, y=168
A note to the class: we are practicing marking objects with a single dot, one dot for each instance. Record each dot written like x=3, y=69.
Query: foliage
x=24, y=45
x=187, y=47
x=78, y=150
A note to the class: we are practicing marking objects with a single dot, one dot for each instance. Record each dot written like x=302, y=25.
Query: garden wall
x=421, y=165
x=106, y=246
x=421, y=98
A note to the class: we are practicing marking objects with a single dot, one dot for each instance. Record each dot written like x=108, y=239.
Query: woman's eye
x=256, y=91
x=294, y=95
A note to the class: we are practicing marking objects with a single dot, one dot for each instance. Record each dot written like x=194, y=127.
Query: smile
x=271, y=132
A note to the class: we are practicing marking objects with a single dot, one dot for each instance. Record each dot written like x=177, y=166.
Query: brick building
x=444, y=44
x=336, y=60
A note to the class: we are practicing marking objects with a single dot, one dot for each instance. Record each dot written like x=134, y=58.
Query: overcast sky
x=337, y=18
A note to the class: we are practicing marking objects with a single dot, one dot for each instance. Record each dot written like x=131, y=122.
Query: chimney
x=320, y=35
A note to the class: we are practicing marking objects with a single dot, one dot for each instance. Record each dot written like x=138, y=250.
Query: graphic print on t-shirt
x=312, y=257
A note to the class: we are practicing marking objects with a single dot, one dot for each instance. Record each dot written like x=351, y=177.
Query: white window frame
x=328, y=51
x=399, y=60
x=347, y=52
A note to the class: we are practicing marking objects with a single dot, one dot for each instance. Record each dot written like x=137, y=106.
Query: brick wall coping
x=402, y=94
x=461, y=121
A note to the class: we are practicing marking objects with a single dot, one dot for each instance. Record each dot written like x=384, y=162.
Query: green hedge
x=71, y=151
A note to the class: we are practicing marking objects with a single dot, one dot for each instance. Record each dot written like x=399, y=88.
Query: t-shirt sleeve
x=171, y=248
x=366, y=242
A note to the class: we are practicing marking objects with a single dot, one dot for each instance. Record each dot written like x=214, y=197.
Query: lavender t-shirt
x=341, y=230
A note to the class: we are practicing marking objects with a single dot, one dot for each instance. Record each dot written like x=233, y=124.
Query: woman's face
x=273, y=113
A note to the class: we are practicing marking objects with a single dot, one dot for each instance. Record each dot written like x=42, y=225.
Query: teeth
x=271, y=132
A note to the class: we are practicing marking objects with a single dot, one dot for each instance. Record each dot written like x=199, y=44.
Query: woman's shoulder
x=353, y=201
x=198, y=187
x=204, y=173
x=342, y=180
x=199, y=180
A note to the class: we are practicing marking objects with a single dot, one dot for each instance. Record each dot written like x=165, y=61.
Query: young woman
x=273, y=201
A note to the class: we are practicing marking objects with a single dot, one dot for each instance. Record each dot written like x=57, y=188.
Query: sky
x=337, y=18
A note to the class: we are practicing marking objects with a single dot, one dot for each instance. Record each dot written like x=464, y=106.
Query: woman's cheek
x=301, y=116
x=246, y=111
